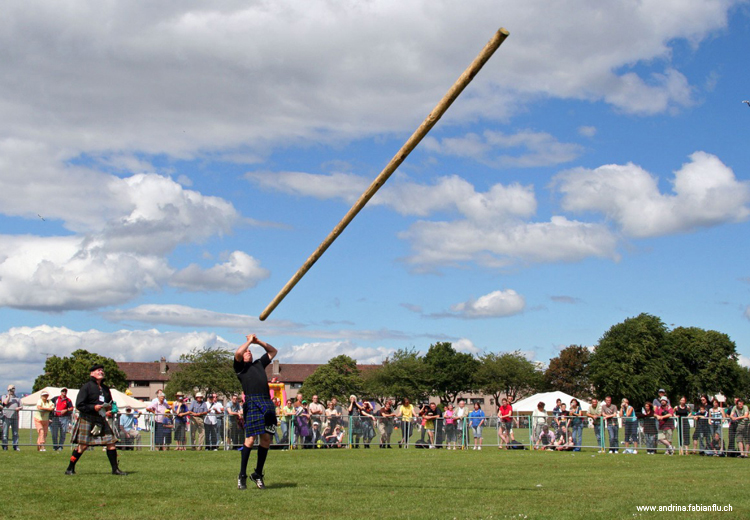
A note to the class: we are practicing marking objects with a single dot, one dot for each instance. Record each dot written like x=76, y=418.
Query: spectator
x=476, y=419
x=576, y=424
x=159, y=407
x=333, y=416
x=302, y=424
x=702, y=433
x=60, y=421
x=317, y=411
x=198, y=411
x=385, y=416
x=317, y=436
x=212, y=424
x=538, y=420
x=461, y=413
x=406, y=414
x=180, y=415
x=129, y=434
x=630, y=422
x=278, y=410
x=732, y=430
x=556, y=414
x=41, y=419
x=682, y=412
x=11, y=407
x=335, y=438
x=450, y=427
x=563, y=442
x=288, y=413
x=234, y=412
x=662, y=395
x=594, y=413
x=546, y=439
x=355, y=420
x=368, y=424
x=431, y=418
x=649, y=427
x=505, y=413
x=741, y=415
x=715, y=446
x=609, y=414
x=716, y=413
x=666, y=425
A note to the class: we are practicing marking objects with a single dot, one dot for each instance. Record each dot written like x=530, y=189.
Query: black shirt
x=252, y=376
x=91, y=395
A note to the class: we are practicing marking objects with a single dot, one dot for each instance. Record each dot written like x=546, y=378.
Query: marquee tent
x=549, y=399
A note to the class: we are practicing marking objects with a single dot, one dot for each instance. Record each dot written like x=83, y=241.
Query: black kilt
x=82, y=432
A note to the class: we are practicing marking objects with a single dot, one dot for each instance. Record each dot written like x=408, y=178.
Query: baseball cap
x=63, y=389
x=11, y=387
x=44, y=392
x=662, y=391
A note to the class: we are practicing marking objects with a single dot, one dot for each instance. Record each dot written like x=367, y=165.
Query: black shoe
x=242, y=482
x=70, y=472
x=118, y=471
x=258, y=479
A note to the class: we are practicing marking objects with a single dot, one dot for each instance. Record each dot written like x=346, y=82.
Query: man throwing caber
x=258, y=409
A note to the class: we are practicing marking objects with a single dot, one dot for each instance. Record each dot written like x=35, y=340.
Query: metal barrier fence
x=707, y=436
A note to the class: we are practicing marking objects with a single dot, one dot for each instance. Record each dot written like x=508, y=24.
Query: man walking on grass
x=259, y=410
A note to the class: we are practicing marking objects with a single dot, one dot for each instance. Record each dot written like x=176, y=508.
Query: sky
x=165, y=168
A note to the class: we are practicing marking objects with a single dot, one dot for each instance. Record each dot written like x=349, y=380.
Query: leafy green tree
x=206, y=370
x=632, y=360
x=73, y=371
x=569, y=372
x=449, y=372
x=402, y=375
x=338, y=378
x=509, y=374
x=706, y=363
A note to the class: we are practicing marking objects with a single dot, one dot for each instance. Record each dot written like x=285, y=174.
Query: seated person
x=715, y=447
x=546, y=439
x=564, y=442
x=334, y=439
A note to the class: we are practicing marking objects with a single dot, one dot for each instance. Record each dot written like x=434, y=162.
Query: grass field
x=374, y=483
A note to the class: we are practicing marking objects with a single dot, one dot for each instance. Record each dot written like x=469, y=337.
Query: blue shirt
x=476, y=417
x=127, y=421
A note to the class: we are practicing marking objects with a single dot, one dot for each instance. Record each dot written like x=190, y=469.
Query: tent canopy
x=549, y=399
x=123, y=401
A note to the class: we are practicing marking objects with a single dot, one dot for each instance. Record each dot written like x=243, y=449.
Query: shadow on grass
x=281, y=485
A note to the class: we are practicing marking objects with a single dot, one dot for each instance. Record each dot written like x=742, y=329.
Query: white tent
x=122, y=400
x=549, y=399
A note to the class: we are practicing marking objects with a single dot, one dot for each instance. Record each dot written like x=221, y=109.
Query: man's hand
x=252, y=338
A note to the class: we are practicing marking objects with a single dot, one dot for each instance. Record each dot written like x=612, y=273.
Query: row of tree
x=633, y=359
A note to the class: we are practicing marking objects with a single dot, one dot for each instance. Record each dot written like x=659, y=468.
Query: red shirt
x=506, y=410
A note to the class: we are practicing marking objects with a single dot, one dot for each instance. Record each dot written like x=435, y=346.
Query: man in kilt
x=93, y=427
x=258, y=410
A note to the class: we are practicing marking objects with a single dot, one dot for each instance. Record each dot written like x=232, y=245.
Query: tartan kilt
x=82, y=432
x=255, y=409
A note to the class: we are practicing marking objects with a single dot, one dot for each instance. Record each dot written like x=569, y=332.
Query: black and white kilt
x=260, y=415
x=82, y=432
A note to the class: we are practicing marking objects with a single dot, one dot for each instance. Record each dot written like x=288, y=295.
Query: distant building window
x=295, y=385
x=141, y=383
x=479, y=400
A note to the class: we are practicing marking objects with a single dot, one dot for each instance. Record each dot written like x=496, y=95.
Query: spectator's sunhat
x=199, y=394
x=45, y=392
x=662, y=391
x=11, y=387
x=179, y=394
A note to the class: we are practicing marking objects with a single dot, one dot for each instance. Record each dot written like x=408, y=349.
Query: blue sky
x=164, y=170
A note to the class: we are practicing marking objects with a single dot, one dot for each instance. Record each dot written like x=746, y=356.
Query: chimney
x=163, y=366
x=275, y=370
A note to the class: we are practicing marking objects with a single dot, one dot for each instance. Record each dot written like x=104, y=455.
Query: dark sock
x=73, y=459
x=112, y=456
x=262, y=454
x=245, y=454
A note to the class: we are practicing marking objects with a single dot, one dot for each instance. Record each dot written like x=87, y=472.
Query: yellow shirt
x=43, y=415
x=407, y=412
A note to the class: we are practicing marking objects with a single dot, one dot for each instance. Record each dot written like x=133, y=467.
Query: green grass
x=362, y=484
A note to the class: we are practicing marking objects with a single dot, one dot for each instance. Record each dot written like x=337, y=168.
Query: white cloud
x=587, y=131
x=706, y=193
x=498, y=244
x=493, y=305
x=322, y=352
x=467, y=347
x=534, y=148
x=26, y=348
x=240, y=272
x=182, y=78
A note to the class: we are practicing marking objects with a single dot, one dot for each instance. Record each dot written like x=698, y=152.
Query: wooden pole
x=400, y=156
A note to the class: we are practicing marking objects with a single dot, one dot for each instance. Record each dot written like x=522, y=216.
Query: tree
x=569, y=372
x=509, y=374
x=402, y=375
x=706, y=363
x=207, y=370
x=449, y=372
x=632, y=360
x=73, y=371
x=338, y=378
